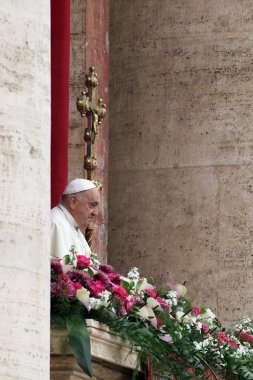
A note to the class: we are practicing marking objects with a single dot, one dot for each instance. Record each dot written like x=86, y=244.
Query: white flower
x=242, y=351
x=144, y=285
x=94, y=260
x=105, y=295
x=146, y=312
x=83, y=296
x=95, y=303
x=203, y=345
x=172, y=294
x=154, y=304
x=198, y=326
x=208, y=314
x=166, y=338
x=172, y=298
x=133, y=274
x=71, y=256
x=179, y=315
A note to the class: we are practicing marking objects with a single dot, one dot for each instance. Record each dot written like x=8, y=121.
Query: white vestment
x=65, y=234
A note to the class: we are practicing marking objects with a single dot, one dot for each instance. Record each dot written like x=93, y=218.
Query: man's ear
x=72, y=202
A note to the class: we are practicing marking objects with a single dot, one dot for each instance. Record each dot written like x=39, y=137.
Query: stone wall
x=89, y=47
x=180, y=169
x=25, y=190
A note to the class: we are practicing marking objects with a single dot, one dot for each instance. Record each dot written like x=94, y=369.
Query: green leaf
x=79, y=341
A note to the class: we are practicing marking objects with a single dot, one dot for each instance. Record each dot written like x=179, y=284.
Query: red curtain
x=60, y=45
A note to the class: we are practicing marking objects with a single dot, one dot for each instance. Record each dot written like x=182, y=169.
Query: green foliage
x=79, y=341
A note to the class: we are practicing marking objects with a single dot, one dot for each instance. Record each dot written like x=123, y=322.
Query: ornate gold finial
x=91, y=78
x=97, y=184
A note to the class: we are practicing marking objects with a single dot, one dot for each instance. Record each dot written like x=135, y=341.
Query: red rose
x=196, y=311
x=115, y=278
x=205, y=329
x=76, y=286
x=121, y=292
x=82, y=261
x=150, y=293
x=224, y=339
x=245, y=337
x=129, y=305
x=96, y=287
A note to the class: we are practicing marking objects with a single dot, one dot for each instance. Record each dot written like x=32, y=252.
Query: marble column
x=25, y=190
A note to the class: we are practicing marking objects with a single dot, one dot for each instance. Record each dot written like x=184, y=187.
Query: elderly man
x=79, y=207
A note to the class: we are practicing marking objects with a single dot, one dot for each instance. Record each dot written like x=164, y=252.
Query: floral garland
x=161, y=325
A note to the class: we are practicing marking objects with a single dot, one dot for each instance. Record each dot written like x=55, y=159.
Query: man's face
x=85, y=207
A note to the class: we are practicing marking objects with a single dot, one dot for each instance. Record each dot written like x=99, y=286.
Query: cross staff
x=95, y=112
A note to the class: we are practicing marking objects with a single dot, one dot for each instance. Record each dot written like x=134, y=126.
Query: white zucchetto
x=77, y=185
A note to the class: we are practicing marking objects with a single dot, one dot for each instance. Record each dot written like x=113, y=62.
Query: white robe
x=65, y=234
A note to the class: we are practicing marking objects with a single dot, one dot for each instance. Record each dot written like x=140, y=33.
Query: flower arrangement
x=161, y=325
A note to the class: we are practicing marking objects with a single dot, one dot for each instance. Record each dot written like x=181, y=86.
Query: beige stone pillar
x=181, y=161
x=89, y=46
x=25, y=189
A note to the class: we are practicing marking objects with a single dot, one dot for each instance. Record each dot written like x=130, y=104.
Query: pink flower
x=166, y=338
x=106, y=268
x=56, y=267
x=63, y=288
x=245, y=337
x=119, y=291
x=205, y=329
x=78, y=275
x=160, y=322
x=163, y=303
x=96, y=287
x=224, y=339
x=115, y=278
x=76, y=286
x=196, y=311
x=103, y=277
x=82, y=261
x=129, y=304
x=150, y=293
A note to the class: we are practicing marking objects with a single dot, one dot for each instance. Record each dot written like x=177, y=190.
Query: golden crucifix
x=95, y=111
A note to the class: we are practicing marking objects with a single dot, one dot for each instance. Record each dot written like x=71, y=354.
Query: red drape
x=60, y=45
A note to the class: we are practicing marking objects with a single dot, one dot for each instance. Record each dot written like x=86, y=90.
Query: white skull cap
x=77, y=185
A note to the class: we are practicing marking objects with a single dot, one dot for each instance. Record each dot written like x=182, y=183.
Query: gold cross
x=95, y=111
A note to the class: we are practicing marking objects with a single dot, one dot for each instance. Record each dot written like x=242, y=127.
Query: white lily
x=83, y=295
x=146, y=312
x=144, y=285
x=166, y=338
x=208, y=314
x=154, y=304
